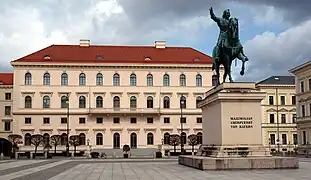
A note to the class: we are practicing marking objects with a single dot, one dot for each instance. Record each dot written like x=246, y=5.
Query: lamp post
x=181, y=125
x=67, y=144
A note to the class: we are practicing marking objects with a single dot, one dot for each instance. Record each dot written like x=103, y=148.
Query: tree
x=75, y=141
x=55, y=141
x=192, y=140
x=36, y=140
x=15, y=139
x=174, y=140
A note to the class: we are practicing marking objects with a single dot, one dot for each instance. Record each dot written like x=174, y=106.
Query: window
x=149, y=102
x=64, y=79
x=304, y=138
x=199, y=138
x=99, y=120
x=27, y=139
x=63, y=103
x=133, y=142
x=303, y=111
x=7, y=110
x=198, y=80
x=149, y=80
x=293, y=100
x=99, y=102
x=133, y=102
x=133, y=80
x=166, y=102
x=272, y=138
x=99, y=139
x=295, y=139
x=149, y=139
x=82, y=79
x=116, y=102
x=46, y=102
x=116, y=141
x=309, y=84
x=63, y=120
x=183, y=138
x=166, y=80
x=133, y=120
x=28, y=79
x=63, y=139
x=166, y=138
x=284, y=138
x=46, y=120
x=294, y=117
x=116, y=79
x=82, y=102
x=149, y=120
x=81, y=120
x=183, y=102
x=199, y=120
x=302, y=86
x=271, y=100
x=99, y=79
x=282, y=100
x=27, y=120
x=8, y=96
x=46, y=79
x=198, y=99
x=116, y=120
x=272, y=118
x=28, y=102
x=183, y=120
x=166, y=120
x=81, y=139
x=7, y=125
x=46, y=138
x=182, y=80
x=283, y=118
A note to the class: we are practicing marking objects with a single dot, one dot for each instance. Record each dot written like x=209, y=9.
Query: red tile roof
x=117, y=54
x=6, y=78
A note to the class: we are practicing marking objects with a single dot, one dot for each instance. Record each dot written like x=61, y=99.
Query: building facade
x=110, y=95
x=279, y=128
x=303, y=95
x=6, y=90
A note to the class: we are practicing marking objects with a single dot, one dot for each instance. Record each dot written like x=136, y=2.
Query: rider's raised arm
x=213, y=17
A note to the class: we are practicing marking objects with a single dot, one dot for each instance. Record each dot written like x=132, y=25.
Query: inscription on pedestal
x=241, y=122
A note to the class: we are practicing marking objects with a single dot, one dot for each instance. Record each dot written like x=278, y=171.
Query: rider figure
x=223, y=24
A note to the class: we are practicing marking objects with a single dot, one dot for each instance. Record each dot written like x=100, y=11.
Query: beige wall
x=3, y=103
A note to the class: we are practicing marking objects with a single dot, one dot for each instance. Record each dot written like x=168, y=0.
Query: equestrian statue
x=228, y=46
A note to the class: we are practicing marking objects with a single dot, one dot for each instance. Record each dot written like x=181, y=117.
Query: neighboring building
x=117, y=94
x=303, y=95
x=279, y=126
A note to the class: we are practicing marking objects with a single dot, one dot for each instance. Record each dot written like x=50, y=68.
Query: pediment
x=271, y=110
x=292, y=110
x=283, y=110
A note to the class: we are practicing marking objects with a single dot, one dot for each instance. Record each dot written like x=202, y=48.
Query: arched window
x=200, y=138
x=99, y=79
x=183, y=138
x=133, y=102
x=99, y=139
x=198, y=80
x=82, y=102
x=64, y=79
x=46, y=102
x=27, y=139
x=198, y=99
x=166, y=138
x=99, y=102
x=116, y=102
x=82, y=79
x=182, y=80
x=28, y=102
x=116, y=141
x=149, y=139
x=149, y=102
x=183, y=102
x=46, y=139
x=28, y=78
x=133, y=80
x=63, y=103
x=149, y=80
x=166, y=80
x=63, y=139
x=133, y=141
x=82, y=139
x=166, y=102
x=46, y=79
x=116, y=79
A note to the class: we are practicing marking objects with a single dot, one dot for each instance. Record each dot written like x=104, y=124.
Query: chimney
x=84, y=42
x=160, y=44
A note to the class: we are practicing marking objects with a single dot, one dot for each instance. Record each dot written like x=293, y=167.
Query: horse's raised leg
x=243, y=58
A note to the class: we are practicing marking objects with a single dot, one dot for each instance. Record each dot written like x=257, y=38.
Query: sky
x=276, y=34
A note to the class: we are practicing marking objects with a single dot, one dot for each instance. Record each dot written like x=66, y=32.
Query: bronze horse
x=231, y=50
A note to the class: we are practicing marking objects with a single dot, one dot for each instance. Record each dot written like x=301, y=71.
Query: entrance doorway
x=133, y=141
x=116, y=141
x=5, y=147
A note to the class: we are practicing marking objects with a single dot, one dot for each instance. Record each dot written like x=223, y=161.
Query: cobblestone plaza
x=133, y=169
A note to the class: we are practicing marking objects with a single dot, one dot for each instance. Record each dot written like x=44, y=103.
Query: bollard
x=16, y=155
x=72, y=154
x=45, y=155
x=31, y=155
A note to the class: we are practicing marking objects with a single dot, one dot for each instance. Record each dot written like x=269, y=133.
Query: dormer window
x=197, y=59
x=147, y=59
x=47, y=57
x=99, y=57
